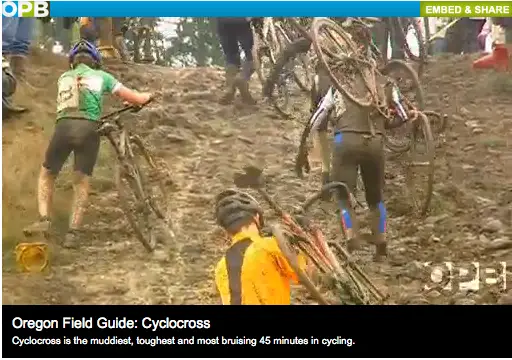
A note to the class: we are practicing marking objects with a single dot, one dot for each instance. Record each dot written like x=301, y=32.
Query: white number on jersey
x=68, y=94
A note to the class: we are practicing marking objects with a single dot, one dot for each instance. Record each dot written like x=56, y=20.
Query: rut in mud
x=205, y=143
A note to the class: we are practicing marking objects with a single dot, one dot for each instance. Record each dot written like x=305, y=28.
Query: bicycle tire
x=143, y=231
x=301, y=160
x=303, y=84
x=301, y=45
x=261, y=51
x=438, y=122
x=423, y=126
x=351, y=279
x=304, y=279
x=159, y=204
x=421, y=59
x=389, y=143
x=317, y=25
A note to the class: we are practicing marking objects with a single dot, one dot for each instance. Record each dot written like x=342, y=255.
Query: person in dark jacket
x=9, y=84
x=236, y=33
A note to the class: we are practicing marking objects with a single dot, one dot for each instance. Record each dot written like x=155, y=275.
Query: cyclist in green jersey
x=79, y=108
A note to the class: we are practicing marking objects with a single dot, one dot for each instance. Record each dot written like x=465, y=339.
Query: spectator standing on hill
x=88, y=29
x=16, y=38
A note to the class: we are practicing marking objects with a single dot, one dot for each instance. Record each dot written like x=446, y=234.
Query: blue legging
x=16, y=35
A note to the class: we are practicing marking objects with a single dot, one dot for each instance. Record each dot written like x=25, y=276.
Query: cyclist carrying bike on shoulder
x=253, y=271
x=358, y=144
x=79, y=107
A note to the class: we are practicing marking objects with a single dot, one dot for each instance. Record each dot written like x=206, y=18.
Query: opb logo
x=25, y=8
x=451, y=278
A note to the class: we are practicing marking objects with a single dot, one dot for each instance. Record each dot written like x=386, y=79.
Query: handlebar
x=133, y=108
x=105, y=128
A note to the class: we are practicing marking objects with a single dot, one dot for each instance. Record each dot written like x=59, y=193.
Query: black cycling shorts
x=79, y=136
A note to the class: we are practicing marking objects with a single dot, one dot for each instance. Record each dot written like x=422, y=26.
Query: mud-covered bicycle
x=297, y=234
x=139, y=179
x=270, y=39
x=402, y=115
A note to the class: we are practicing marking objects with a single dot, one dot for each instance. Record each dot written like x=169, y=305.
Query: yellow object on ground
x=32, y=257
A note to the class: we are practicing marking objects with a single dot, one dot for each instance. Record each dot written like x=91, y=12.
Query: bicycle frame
x=269, y=29
x=123, y=148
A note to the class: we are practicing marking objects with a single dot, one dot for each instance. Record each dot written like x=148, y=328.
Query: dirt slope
x=204, y=143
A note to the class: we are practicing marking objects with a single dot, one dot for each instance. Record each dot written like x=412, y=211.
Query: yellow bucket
x=32, y=257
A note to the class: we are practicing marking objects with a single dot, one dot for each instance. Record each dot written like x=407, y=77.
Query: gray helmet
x=233, y=206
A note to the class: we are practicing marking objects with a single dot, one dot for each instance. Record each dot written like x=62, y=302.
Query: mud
x=204, y=144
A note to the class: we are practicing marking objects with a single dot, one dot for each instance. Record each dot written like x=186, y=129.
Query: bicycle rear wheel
x=299, y=66
x=291, y=255
x=158, y=186
x=351, y=284
x=411, y=31
x=265, y=53
x=339, y=57
x=420, y=166
x=404, y=77
x=266, y=64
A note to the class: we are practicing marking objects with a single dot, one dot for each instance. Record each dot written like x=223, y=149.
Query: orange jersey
x=254, y=271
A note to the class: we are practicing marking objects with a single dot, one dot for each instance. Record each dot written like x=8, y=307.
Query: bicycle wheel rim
x=303, y=81
x=299, y=46
x=421, y=57
x=129, y=192
x=403, y=145
x=282, y=102
x=292, y=261
x=157, y=193
x=320, y=23
x=423, y=128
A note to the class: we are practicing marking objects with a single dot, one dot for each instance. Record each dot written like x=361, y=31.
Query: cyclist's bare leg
x=81, y=185
x=45, y=188
x=86, y=154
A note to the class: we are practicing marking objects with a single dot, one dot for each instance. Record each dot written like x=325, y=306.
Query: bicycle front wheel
x=143, y=199
x=131, y=197
x=339, y=57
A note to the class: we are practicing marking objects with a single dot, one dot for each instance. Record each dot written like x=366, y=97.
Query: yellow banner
x=466, y=8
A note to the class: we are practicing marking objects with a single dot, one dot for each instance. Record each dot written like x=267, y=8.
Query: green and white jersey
x=81, y=90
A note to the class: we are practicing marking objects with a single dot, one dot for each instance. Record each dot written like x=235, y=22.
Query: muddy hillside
x=204, y=143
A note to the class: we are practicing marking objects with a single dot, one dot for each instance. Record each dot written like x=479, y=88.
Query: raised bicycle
x=139, y=179
x=346, y=64
x=347, y=281
x=270, y=40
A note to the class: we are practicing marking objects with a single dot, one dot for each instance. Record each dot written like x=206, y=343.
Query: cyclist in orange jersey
x=253, y=271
